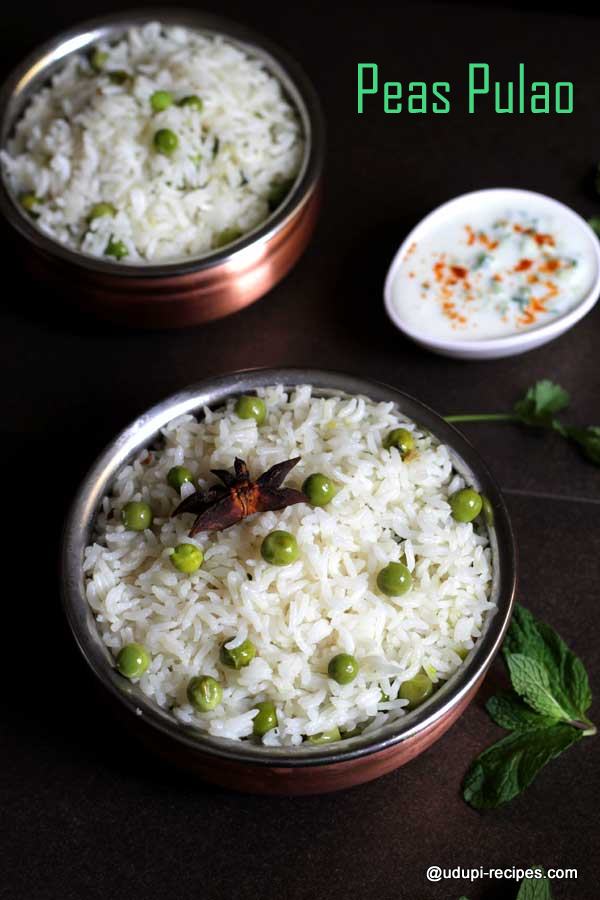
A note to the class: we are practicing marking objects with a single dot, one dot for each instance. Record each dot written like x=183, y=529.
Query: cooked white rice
x=85, y=140
x=301, y=615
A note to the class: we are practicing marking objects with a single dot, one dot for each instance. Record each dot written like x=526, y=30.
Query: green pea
x=161, y=100
x=394, y=580
x=400, y=438
x=319, y=489
x=187, y=558
x=116, y=249
x=193, y=101
x=343, y=668
x=119, y=76
x=166, y=141
x=226, y=236
x=136, y=515
x=326, y=737
x=204, y=693
x=101, y=209
x=488, y=511
x=383, y=697
x=353, y=732
x=278, y=192
x=177, y=476
x=29, y=203
x=133, y=660
x=248, y=407
x=238, y=657
x=98, y=59
x=265, y=719
x=279, y=548
x=416, y=690
x=466, y=505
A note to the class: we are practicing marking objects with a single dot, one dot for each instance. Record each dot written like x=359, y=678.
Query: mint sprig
x=538, y=408
x=545, y=713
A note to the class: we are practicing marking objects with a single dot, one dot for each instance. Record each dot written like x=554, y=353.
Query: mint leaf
x=531, y=680
x=587, y=439
x=540, y=403
x=510, y=712
x=506, y=768
x=535, y=889
x=564, y=676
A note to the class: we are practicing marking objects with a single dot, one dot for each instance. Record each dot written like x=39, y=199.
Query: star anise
x=222, y=505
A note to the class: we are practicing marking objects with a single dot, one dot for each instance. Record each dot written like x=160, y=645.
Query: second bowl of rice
x=167, y=171
x=391, y=505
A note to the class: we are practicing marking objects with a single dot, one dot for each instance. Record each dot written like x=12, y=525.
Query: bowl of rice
x=165, y=172
x=126, y=593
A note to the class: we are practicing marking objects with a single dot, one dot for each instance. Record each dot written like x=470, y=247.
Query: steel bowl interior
x=144, y=431
x=37, y=68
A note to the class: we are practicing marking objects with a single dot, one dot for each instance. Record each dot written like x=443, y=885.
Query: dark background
x=86, y=813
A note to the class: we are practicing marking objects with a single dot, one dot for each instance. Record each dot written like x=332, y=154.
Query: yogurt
x=480, y=271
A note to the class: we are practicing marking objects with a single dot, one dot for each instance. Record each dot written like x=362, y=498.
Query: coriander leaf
x=535, y=889
x=531, y=680
x=588, y=440
x=566, y=675
x=510, y=712
x=506, y=768
x=540, y=403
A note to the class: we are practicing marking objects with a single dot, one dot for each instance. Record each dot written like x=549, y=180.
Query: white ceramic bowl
x=476, y=203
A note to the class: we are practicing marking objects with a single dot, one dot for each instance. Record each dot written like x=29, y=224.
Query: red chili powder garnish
x=459, y=271
x=551, y=265
x=450, y=311
x=523, y=265
x=486, y=241
x=470, y=235
x=543, y=239
x=438, y=270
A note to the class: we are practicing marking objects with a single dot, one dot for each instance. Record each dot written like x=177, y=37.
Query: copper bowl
x=243, y=765
x=191, y=290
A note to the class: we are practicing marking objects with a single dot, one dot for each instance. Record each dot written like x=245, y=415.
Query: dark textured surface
x=85, y=813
